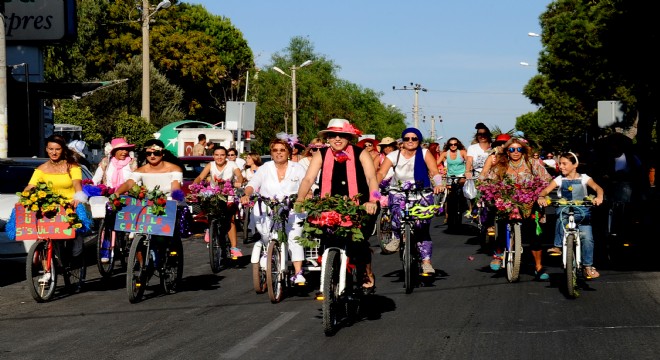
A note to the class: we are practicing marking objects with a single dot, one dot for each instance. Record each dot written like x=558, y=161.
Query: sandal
x=554, y=251
x=369, y=280
x=491, y=231
x=590, y=272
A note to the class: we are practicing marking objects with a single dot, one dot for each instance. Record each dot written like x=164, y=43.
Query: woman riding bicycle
x=454, y=156
x=412, y=164
x=65, y=175
x=518, y=165
x=221, y=169
x=279, y=179
x=345, y=170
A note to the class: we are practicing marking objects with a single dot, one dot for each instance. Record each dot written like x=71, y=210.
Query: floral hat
x=341, y=126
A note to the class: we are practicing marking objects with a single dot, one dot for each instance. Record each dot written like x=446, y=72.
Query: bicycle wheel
x=408, y=268
x=330, y=289
x=275, y=273
x=35, y=269
x=570, y=267
x=453, y=211
x=172, y=271
x=514, y=254
x=74, y=269
x=105, y=249
x=259, y=273
x=215, y=245
x=384, y=228
x=139, y=262
x=246, y=222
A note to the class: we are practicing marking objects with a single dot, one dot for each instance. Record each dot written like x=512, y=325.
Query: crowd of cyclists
x=335, y=163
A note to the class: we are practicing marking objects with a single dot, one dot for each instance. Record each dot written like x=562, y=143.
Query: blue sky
x=466, y=53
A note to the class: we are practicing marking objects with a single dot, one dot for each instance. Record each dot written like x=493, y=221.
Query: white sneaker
x=392, y=246
x=45, y=278
x=299, y=279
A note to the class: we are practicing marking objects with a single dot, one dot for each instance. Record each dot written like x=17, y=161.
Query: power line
x=416, y=88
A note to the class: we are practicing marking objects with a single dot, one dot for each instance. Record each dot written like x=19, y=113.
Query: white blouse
x=151, y=180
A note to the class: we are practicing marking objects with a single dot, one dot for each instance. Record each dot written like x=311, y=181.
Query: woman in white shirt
x=221, y=170
x=278, y=179
x=412, y=164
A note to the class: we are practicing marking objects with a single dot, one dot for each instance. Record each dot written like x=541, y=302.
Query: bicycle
x=453, y=207
x=341, y=284
x=275, y=274
x=217, y=242
x=48, y=258
x=512, y=255
x=111, y=245
x=157, y=252
x=384, y=225
x=410, y=215
x=571, y=244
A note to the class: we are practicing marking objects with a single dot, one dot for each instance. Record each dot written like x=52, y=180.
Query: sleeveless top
x=164, y=180
x=455, y=167
x=339, y=176
x=404, y=169
x=225, y=174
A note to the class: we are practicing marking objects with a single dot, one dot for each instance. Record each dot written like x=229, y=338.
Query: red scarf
x=328, y=165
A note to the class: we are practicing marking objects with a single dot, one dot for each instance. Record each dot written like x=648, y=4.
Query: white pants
x=293, y=228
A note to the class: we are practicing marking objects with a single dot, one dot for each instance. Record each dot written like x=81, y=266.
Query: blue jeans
x=586, y=238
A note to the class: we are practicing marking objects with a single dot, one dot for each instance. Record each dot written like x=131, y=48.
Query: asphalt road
x=467, y=312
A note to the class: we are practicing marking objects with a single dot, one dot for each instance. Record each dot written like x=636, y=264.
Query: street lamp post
x=416, y=88
x=146, y=86
x=294, y=106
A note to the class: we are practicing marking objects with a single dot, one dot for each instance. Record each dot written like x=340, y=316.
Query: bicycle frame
x=342, y=269
x=572, y=228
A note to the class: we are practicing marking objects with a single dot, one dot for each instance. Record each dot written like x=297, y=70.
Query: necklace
x=515, y=166
x=281, y=171
x=58, y=162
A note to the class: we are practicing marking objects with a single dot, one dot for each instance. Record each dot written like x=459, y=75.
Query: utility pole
x=416, y=88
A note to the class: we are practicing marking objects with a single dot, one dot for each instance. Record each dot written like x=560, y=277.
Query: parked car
x=14, y=176
x=192, y=167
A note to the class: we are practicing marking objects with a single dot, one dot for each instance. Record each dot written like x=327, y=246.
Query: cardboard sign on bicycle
x=136, y=216
x=28, y=227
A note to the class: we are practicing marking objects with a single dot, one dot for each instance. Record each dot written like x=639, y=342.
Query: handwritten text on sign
x=28, y=227
x=136, y=217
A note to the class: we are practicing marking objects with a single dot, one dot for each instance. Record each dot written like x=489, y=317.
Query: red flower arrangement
x=335, y=216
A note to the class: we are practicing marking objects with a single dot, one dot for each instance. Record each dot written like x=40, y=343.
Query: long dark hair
x=67, y=154
x=459, y=144
x=167, y=155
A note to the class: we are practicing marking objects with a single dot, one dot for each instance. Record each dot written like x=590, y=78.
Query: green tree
x=321, y=96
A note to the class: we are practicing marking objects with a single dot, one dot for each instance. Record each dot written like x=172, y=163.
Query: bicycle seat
x=424, y=212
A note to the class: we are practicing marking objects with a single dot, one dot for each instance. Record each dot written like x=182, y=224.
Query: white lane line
x=252, y=341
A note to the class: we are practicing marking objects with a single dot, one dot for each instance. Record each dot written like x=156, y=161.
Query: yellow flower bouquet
x=46, y=203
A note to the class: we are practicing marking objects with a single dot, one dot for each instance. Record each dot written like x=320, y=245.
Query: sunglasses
x=278, y=150
x=411, y=138
x=453, y=144
x=368, y=145
x=518, y=149
x=314, y=149
x=154, y=153
x=482, y=133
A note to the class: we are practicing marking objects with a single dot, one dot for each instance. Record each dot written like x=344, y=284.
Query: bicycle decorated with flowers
x=414, y=209
x=337, y=222
x=270, y=256
x=217, y=203
x=512, y=202
x=49, y=218
x=156, y=249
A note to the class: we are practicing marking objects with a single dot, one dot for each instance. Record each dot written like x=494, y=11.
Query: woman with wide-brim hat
x=345, y=169
x=115, y=169
x=370, y=146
